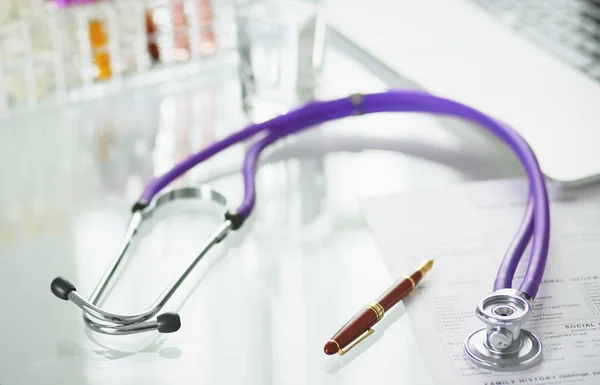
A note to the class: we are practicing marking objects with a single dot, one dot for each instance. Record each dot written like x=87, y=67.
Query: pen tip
x=331, y=347
x=426, y=266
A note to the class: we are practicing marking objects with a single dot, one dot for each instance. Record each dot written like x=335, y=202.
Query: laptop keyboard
x=568, y=29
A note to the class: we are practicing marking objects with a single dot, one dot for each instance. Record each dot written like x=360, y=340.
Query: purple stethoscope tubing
x=535, y=223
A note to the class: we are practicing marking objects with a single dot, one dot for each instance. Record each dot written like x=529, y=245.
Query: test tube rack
x=66, y=54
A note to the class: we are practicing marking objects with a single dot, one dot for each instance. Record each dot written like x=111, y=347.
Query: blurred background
x=99, y=97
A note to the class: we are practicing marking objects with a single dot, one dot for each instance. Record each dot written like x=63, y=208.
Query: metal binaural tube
x=112, y=323
x=132, y=228
x=96, y=312
x=217, y=236
x=107, y=322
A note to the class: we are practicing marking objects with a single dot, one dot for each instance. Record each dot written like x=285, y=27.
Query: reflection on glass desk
x=258, y=310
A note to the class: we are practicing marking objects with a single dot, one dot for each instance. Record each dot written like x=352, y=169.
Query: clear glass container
x=281, y=48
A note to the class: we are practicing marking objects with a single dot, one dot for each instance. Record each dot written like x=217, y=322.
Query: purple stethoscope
x=502, y=345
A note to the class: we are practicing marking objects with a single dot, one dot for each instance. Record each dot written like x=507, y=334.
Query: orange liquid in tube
x=99, y=45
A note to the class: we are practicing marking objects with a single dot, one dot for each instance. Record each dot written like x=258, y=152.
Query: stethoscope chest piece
x=503, y=345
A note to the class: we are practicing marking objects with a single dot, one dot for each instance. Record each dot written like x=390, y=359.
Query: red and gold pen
x=360, y=326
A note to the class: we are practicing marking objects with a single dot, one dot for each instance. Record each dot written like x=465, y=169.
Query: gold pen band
x=412, y=281
x=377, y=308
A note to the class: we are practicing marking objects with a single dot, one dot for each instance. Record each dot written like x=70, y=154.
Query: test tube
x=23, y=77
x=201, y=27
x=168, y=31
x=180, y=27
x=208, y=44
x=152, y=31
x=98, y=40
x=95, y=24
x=57, y=35
x=134, y=52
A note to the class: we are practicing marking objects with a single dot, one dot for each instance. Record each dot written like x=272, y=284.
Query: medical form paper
x=467, y=229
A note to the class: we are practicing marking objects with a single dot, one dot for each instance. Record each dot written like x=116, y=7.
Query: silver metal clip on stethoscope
x=502, y=345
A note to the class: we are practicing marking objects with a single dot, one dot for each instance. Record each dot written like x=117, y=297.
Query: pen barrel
x=371, y=313
x=398, y=291
x=362, y=321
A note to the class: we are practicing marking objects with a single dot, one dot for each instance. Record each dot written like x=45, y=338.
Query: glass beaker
x=281, y=48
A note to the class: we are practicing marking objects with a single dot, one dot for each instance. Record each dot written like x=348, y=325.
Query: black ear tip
x=168, y=322
x=61, y=288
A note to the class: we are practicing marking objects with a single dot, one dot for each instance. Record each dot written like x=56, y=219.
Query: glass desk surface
x=259, y=309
